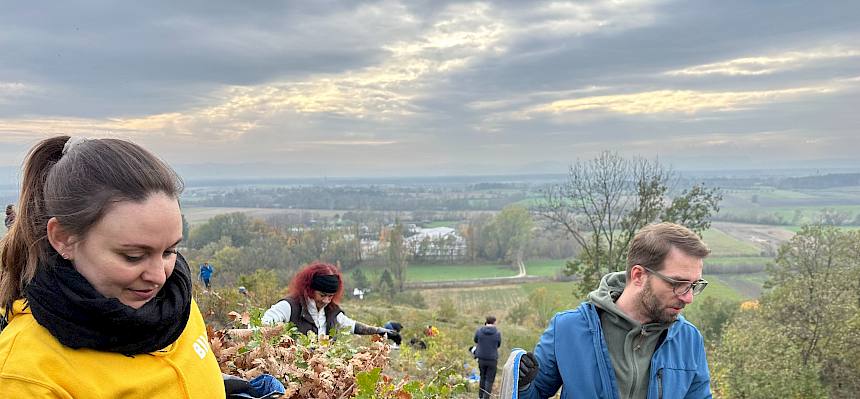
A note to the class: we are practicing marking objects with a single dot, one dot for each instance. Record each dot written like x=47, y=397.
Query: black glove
x=528, y=370
x=392, y=335
x=234, y=385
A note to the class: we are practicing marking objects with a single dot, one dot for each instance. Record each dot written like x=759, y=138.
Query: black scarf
x=66, y=304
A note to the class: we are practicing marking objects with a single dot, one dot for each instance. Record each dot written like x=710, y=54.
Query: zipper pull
x=639, y=338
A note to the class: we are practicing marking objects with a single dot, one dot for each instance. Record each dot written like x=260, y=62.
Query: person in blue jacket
x=629, y=340
x=206, y=271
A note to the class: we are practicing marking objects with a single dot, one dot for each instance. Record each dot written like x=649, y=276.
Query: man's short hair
x=652, y=244
x=491, y=320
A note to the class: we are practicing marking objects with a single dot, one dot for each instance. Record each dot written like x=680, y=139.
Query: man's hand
x=528, y=370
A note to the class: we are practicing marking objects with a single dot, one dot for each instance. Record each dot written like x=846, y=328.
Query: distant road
x=520, y=278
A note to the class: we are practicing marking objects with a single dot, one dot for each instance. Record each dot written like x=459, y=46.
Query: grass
x=736, y=264
x=718, y=288
x=477, y=300
x=437, y=272
x=457, y=272
x=797, y=228
x=748, y=285
x=736, y=260
x=722, y=244
x=544, y=267
x=558, y=288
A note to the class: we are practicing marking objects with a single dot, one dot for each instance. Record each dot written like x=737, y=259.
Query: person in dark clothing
x=395, y=326
x=488, y=339
x=417, y=343
x=313, y=304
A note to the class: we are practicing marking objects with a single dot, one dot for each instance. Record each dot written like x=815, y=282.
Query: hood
x=610, y=288
x=488, y=330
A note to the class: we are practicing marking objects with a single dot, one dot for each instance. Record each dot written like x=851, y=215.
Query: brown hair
x=76, y=185
x=653, y=242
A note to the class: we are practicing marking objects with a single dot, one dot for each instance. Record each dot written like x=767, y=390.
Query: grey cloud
x=120, y=60
x=116, y=57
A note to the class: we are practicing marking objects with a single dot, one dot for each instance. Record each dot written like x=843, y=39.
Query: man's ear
x=638, y=275
x=60, y=239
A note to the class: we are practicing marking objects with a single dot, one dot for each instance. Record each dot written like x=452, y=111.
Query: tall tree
x=510, y=231
x=606, y=200
x=397, y=255
x=475, y=234
x=237, y=226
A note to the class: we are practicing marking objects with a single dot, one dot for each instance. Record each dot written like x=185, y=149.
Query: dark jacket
x=488, y=339
x=302, y=319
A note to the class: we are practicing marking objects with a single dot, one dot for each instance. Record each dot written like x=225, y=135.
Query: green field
x=436, y=272
x=544, y=267
x=797, y=228
x=736, y=260
x=717, y=287
x=477, y=300
x=722, y=244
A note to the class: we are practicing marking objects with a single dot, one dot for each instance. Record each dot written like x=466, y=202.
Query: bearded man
x=629, y=339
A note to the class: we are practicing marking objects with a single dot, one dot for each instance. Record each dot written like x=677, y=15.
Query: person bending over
x=313, y=304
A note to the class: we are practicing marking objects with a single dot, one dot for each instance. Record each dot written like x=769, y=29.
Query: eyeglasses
x=681, y=287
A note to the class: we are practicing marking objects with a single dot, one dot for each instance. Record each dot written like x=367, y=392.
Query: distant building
x=435, y=244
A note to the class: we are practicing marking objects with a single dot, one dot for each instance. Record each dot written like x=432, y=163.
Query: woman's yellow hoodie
x=33, y=364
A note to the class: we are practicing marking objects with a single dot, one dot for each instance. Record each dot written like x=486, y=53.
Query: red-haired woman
x=312, y=304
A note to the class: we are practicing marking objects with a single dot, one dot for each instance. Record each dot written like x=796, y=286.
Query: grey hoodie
x=630, y=343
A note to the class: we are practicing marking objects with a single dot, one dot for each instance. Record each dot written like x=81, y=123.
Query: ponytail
x=76, y=181
x=24, y=244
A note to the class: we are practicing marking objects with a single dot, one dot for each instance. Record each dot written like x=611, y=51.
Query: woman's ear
x=60, y=239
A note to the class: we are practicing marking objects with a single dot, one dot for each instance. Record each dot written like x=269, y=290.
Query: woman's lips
x=144, y=295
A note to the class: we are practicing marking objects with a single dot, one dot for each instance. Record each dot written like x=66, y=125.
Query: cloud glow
x=766, y=65
x=673, y=101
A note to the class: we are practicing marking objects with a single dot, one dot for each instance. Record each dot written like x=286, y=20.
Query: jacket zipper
x=660, y=384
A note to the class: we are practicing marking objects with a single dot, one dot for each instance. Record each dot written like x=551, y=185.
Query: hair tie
x=72, y=142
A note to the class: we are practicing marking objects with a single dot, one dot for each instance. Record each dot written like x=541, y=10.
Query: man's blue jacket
x=573, y=354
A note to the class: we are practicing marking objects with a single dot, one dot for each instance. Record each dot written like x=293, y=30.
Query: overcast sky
x=349, y=88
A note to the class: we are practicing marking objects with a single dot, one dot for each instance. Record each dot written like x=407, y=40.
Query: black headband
x=325, y=283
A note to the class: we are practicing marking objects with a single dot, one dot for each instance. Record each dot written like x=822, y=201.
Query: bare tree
x=606, y=200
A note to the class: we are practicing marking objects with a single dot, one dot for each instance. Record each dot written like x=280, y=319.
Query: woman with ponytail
x=313, y=304
x=95, y=298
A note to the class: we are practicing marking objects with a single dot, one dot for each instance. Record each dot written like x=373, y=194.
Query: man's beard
x=653, y=309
